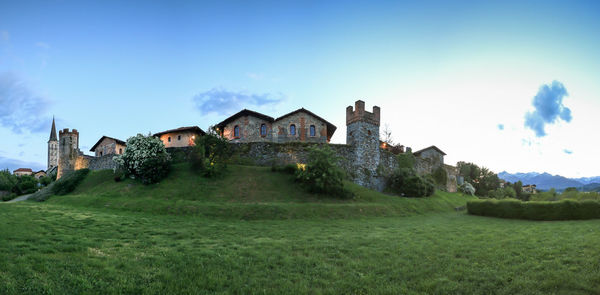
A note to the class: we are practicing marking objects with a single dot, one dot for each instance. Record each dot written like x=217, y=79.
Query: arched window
x=292, y=129
x=263, y=130
x=178, y=137
x=313, y=131
x=236, y=131
x=169, y=139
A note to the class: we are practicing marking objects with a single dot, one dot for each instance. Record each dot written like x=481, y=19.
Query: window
x=100, y=154
x=120, y=151
x=236, y=131
x=178, y=137
x=169, y=139
x=312, y=130
x=292, y=129
x=263, y=130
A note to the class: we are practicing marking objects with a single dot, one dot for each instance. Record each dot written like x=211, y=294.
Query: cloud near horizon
x=225, y=102
x=549, y=108
x=20, y=108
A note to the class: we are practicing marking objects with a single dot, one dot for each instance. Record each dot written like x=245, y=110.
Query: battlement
x=66, y=131
x=358, y=113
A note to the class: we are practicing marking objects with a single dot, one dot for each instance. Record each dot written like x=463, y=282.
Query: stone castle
x=265, y=141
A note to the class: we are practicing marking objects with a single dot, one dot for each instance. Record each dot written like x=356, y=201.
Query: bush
x=321, y=174
x=440, y=177
x=66, y=184
x=512, y=208
x=146, y=158
x=405, y=182
x=26, y=184
x=503, y=193
x=210, y=154
x=406, y=160
x=467, y=188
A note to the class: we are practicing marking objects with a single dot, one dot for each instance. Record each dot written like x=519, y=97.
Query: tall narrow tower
x=362, y=132
x=68, y=150
x=52, y=147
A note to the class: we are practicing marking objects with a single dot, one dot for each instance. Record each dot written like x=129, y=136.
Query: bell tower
x=52, y=147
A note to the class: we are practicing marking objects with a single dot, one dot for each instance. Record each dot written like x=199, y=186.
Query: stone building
x=107, y=146
x=52, y=148
x=180, y=137
x=431, y=157
x=39, y=174
x=300, y=125
x=68, y=149
x=23, y=171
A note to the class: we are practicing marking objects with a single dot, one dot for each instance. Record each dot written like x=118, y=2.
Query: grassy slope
x=93, y=242
x=246, y=192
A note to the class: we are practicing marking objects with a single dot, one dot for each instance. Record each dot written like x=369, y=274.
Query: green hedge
x=512, y=208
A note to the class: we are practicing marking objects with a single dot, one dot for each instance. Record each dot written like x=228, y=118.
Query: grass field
x=76, y=244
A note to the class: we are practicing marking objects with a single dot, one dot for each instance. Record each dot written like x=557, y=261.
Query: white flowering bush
x=146, y=158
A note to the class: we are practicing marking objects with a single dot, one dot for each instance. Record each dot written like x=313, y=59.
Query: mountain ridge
x=546, y=181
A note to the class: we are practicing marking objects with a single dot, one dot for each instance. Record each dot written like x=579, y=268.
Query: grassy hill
x=255, y=231
x=245, y=192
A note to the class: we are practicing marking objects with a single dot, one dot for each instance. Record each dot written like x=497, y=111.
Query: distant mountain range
x=546, y=181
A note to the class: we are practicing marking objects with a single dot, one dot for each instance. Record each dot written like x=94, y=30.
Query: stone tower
x=362, y=132
x=68, y=149
x=52, y=147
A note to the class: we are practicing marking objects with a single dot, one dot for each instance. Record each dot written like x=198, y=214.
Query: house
x=108, y=146
x=23, y=171
x=433, y=154
x=530, y=188
x=39, y=174
x=180, y=137
x=300, y=125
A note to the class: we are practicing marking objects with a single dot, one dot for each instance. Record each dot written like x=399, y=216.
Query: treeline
x=487, y=183
x=13, y=186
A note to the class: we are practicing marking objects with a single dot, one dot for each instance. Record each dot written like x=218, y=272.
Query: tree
x=482, y=179
x=146, y=158
x=210, y=154
x=406, y=182
x=321, y=174
x=386, y=136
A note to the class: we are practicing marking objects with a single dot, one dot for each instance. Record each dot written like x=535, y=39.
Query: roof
x=428, y=148
x=41, y=171
x=182, y=129
x=53, y=132
x=330, y=127
x=242, y=113
x=23, y=170
x=102, y=138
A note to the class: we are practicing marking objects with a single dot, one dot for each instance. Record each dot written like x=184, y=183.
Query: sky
x=510, y=85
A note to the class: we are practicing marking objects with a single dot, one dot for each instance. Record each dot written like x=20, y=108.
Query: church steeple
x=52, y=147
x=53, y=131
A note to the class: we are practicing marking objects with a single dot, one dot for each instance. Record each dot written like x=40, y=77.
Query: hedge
x=512, y=208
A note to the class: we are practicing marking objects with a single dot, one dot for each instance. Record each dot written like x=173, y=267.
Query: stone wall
x=178, y=139
x=101, y=163
x=267, y=154
x=109, y=146
x=249, y=130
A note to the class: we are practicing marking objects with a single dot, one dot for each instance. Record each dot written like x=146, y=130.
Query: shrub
x=66, y=184
x=26, y=184
x=146, y=158
x=287, y=169
x=321, y=174
x=405, y=182
x=467, y=188
x=512, y=208
x=406, y=160
x=503, y=193
x=210, y=154
x=440, y=177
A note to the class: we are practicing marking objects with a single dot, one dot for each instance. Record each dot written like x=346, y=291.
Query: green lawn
x=77, y=244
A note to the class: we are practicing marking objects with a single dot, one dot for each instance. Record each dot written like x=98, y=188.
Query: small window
x=292, y=129
x=263, y=130
x=169, y=139
x=178, y=137
x=120, y=151
x=236, y=131
x=100, y=154
x=312, y=130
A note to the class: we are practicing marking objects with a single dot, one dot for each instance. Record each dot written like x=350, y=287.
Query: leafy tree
x=26, y=184
x=321, y=174
x=210, y=154
x=440, y=176
x=518, y=187
x=405, y=182
x=146, y=158
x=467, y=188
x=482, y=179
x=7, y=180
x=406, y=160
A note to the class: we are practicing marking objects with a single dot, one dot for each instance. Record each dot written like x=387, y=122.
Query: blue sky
x=475, y=79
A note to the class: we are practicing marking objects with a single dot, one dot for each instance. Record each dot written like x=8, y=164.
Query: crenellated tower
x=68, y=149
x=52, y=147
x=362, y=132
